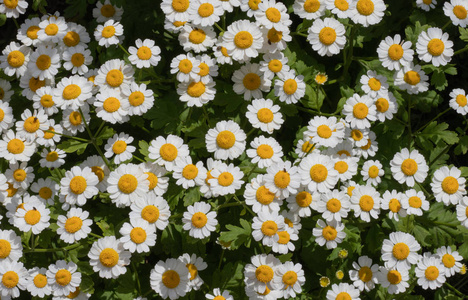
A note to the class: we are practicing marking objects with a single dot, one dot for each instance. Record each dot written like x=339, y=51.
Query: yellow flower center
x=224, y=52
x=108, y=31
x=290, y=86
x=78, y=185
x=31, y=124
x=318, y=173
x=15, y=59
x=11, y=4
x=77, y=59
x=365, y=7
x=114, y=78
x=192, y=270
x=264, y=196
x=19, y=175
x=412, y=77
x=342, y=5
x=204, y=69
x=190, y=172
x=150, y=213
x=171, y=278
x=40, y=280
x=356, y=134
x=324, y=131
x=427, y=2
x=243, y=39
x=52, y=156
x=71, y=91
x=360, y=111
x=400, y=251
x=32, y=217
x=275, y=65
x=435, y=47
x=282, y=179
x=63, y=277
x=45, y=192
x=109, y=257
x=288, y=222
x=265, y=115
x=136, y=98
x=75, y=118
x=311, y=6
x=343, y=296
x=205, y=10
x=341, y=166
x=321, y=78
x=324, y=281
x=71, y=39
x=251, y=81
x=303, y=199
x=395, y=52
x=448, y=260
x=225, y=179
x=329, y=233
x=111, y=104
x=415, y=202
x=138, y=235
x=99, y=172
x=269, y=228
x=461, y=100
x=409, y=167
x=31, y=32
x=345, y=152
x=273, y=14
x=15, y=146
x=274, y=36
x=394, y=277
x=289, y=278
x=119, y=147
x=373, y=171
x=394, y=205
x=73, y=224
x=334, y=205
x=35, y=84
x=264, y=273
x=43, y=62
x=199, y=219
x=168, y=152
x=253, y=4
x=327, y=36
x=180, y=6
x=366, y=203
x=365, y=274
x=460, y=12
x=382, y=105
x=49, y=135
x=265, y=151
x=225, y=139
x=5, y=248
x=196, y=89
x=374, y=84
x=10, y=279
x=74, y=294
x=107, y=10
x=307, y=147
x=431, y=273
x=450, y=185
x=197, y=36
x=144, y=53
x=51, y=29
x=219, y=297
x=153, y=180
x=185, y=66
x=127, y=183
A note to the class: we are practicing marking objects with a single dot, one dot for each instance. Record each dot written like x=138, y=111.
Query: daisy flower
x=290, y=279
x=226, y=141
x=462, y=211
x=220, y=53
x=114, y=74
x=364, y=274
x=400, y=250
x=158, y=183
x=111, y=33
x=365, y=202
x=53, y=158
x=32, y=216
x=13, y=8
x=44, y=62
x=20, y=175
x=342, y=8
x=196, y=93
x=346, y=166
x=138, y=236
x=176, y=10
x=99, y=168
x=373, y=84
x=414, y=202
x=15, y=59
x=250, y=82
x=386, y=106
x=305, y=146
x=79, y=185
x=450, y=259
x=260, y=197
x=272, y=14
x=119, y=145
x=72, y=120
x=457, y=11
x=327, y=36
x=108, y=257
x=189, y=174
x=369, y=149
x=394, y=279
x=27, y=33
x=152, y=209
x=74, y=226
x=458, y=101
x=110, y=107
x=11, y=248
x=76, y=35
x=37, y=283
x=274, y=40
x=225, y=179
x=395, y=52
x=126, y=183
x=14, y=148
x=430, y=272
x=342, y=291
x=242, y=40
x=318, y=173
x=199, y=220
x=392, y=200
x=290, y=88
x=327, y=132
x=265, y=227
x=5, y=90
x=145, y=54
x=409, y=167
x=6, y=112
x=137, y=99
x=197, y=39
x=282, y=179
x=194, y=264
x=186, y=66
x=205, y=12
x=265, y=152
x=218, y=295
x=292, y=221
x=329, y=234
x=52, y=29
x=208, y=68
x=372, y=171
x=14, y=277
x=263, y=114
x=274, y=64
x=44, y=100
x=448, y=185
x=32, y=124
x=284, y=243
x=310, y=9
x=434, y=46
x=426, y=5
x=368, y=12
x=259, y=274
x=72, y=92
x=167, y=151
x=303, y=202
x=77, y=59
x=358, y=137
x=106, y=11
x=412, y=79
x=170, y=278
x=63, y=277
x=334, y=205
x=360, y=111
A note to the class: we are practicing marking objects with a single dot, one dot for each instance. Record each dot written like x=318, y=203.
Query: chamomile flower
x=369, y=149
x=199, y=220
x=457, y=11
x=386, y=106
x=77, y=59
x=414, y=202
x=111, y=33
x=305, y=146
x=37, y=283
x=31, y=84
x=282, y=179
x=395, y=279
x=114, y=74
x=342, y=291
x=76, y=35
x=226, y=140
x=126, y=183
x=74, y=226
x=372, y=171
x=450, y=259
x=263, y=114
x=152, y=209
x=358, y=137
x=346, y=166
x=395, y=52
x=290, y=88
x=44, y=100
x=426, y=5
x=220, y=53
x=329, y=234
x=205, y=12
x=274, y=40
x=44, y=62
x=5, y=91
x=32, y=216
x=458, y=101
x=27, y=33
x=261, y=198
x=11, y=248
x=63, y=277
x=365, y=202
x=364, y=274
x=108, y=257
x=14, y=148
x=14, y=277
x=176, y=10
x=462, y=211
x=110, y=107
x=99, y=168
x=360, y=111
x=259, y=274
x=119, y=145
x=292, y=221
x=368, y=12
x=327, y=132
x=392, y=200
x=20, y=175
x=158, y=183
x=225, y=179
x=170, y=278
x=430, y=272
x=318, y=173
x=72, y=92
x=208, y=68
x=272, y=14
x=218, y=295
x=265, y=152
x=52, y=30
x=274, y=64
x=107, y=11
x=194, y=264
x=145, y=54
x=409, y=167
x=265, y=227
x=334, y=205
x=303, y=202
x=290, y=279
x=137, y=236
x=196, y=93
x=186, y=66
x=15, y=59
x=248, y=80
x=327, y=36
x=53, y=158
x=32, y=125
x=412, y=79
x=310, y=9
x=73, y=120
x=197, y=39
x=167, y=151
x=448, y=185
x=342, y=8
x=188, y=174
x=139, y=98
x=400, y=250
x=373, y=84
x=242, y=40
x=13, y=8
x=434, y=46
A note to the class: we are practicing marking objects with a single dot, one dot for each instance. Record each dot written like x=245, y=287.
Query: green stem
x=438, y=116
x=221, y=259
x=461, y=51
x=68, y=136
x=300, y=33
x=71, y=247
x=447, y=148
x=100, y=127
x=446, y=24
x=314, y=112
x=219, y=27
x=124, y=50
x=424, y=190
x=96, y=235
x=228, y=205
x=245, y=206
x=348, y=55
x=400, y=121
x=16, y=23
x=410, y=134
x=459, y=294
x=137, y=158
x=137, y=278
x=445, y=224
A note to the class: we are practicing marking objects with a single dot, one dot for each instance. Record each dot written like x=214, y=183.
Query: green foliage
x=237, y=236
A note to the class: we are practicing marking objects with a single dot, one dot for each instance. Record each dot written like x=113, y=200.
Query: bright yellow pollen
x=32, y=32
x=366, y=203
x=119, y=147
x=460, y=12
x=5, y=248
x=345, y=152
x=360, y=111
x=15, y=146
x=31, y=124
x=45, y=192
x=264, y=273
x=225, y=179
x=109, y=257
x=318, y=173
x=365, y=274
x=329, y=233
x=365, y=7
x=71, y=39
x=75, y=118
x=265, y=115
x=265, y=151
x=282, y=179
x=199, y=219
x=19, y=175
x=342, y=5
x=290, y=86
x=219, y=297
x=43, y=62
x=327, y=36
x=35, y=84
x=275, y=65
x=71, y=91
x=431, y=273
x=400, y=251
x=197, y=36
x=192, y=270
x=374, y=84
x=394, y=205
x=150, y=213
x=108, y=31
x=224, y=52
x=412, y=77
x=324, y=281
x=264, y=196
x=373, y=172
x=190, y=172
x=450, y=185
x=334, y=205
x=409, y=167
x=78, y=185
x=185, y=66
x=303, y=199
x=196, y=89
x=435, y=47
x=40, y=280
x=307, y=147
x=179, y=23
x=324, y=131
x=32, y=217
x=180, y=5
x=415, y=202
x=448, y=260
x=204, y=69
x=51, y=29
x=343, y=296
x=111, y=104
x=11, y=4
x=394, y=277
x=10, y=279
x=77, y=59
x=461, y=100
x=107, y=10
x=243, y=39
x=253, y=4
x=171, y=278
x=15, y=59
x=269, y=228
x=205, y=10
x=138, y=235
x=273, y=14
x=289, y=278
x=395, y=52
x=225, y=139
x=427, y=2
x=11, y=191
x=136, y=98
x=127, y=183
x=63, y=277
x=153, y=180
x=144, y=53
x=274, y=35
x=73, y=224
x=311, y=6
x=99, y=172
x=52, y=156
x=321, y=78
x=114, y=78
x=341, y=166
x=168, y=152
x=252, y=81
x=382, y=105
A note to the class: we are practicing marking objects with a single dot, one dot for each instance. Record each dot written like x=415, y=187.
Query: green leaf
x=143, y=145
x=2, y=19
x=107, y=229
x=439, y=81
x=462, y=146
x=436, y=132
x=422, y=235
x=236, y=235
x=463, y=34
x=315, y=98
x=290, y=55
x=70, y=146
x=105, y=134
x=444, y=229
x=464, y=171
x=192, y=196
